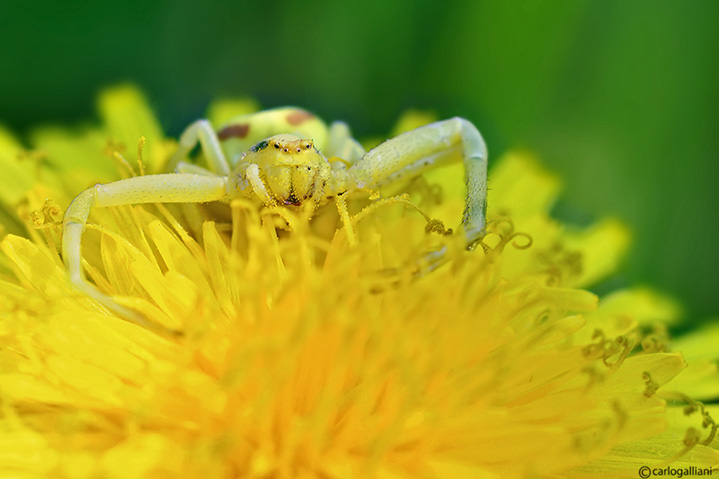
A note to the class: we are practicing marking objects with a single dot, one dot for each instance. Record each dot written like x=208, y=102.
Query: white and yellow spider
x=286, y=168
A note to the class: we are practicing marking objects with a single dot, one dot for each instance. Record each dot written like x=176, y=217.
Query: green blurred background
x=619, y=97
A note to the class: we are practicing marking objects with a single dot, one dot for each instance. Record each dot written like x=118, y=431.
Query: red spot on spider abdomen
x=298, y=116
x=234, y=131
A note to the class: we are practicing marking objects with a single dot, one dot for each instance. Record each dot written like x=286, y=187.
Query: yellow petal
x=520, y=187
x=34, y=266
x=18, y=174
x=79, y=155
x=90, y=381
x=644, y=305
x=630, y=380
x=21, y=387
x=625, y=460
x=701, y=343
x=128, y=117
x=146, y=455
x=455, y=469
x=700, y=381
x=603, y=246
x=79, y=465
x=412, y=119
x=25, y=454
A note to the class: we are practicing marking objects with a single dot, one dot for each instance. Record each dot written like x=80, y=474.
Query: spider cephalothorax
x=283, y=169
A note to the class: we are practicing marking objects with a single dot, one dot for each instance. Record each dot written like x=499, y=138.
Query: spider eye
x=259, y=146
x=285, y=150
x=277, y=145
x=307, y=146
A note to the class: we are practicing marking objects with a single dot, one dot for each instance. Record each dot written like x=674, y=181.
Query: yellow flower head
x=306, y=358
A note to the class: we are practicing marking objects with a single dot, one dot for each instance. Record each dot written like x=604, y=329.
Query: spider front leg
x=341, y=145
x=166, y=188
x=414, y=152
x=201, y=131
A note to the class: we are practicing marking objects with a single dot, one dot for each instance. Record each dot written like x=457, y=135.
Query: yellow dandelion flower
x=306, y=358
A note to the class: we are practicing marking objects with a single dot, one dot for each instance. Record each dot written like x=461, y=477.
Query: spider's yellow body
x=285, y=157
x=284, y=170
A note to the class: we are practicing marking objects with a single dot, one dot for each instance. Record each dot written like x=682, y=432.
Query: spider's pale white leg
x=342, y=145
x=258, y=186
x=167, y=188
x=201, y=131
x=416, y=151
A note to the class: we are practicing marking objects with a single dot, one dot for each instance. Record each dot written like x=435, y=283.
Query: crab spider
x=285, y=168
